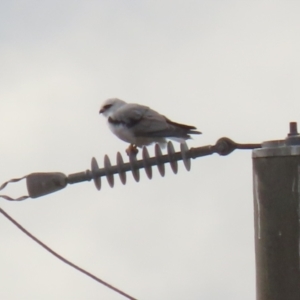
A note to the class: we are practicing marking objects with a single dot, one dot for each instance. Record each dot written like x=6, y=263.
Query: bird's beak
x=104, y=108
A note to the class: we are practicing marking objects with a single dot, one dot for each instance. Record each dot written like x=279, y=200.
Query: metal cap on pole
x=276, y=184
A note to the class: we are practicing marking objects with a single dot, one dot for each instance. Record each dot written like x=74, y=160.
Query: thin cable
x=62, y=258
x=10, y=198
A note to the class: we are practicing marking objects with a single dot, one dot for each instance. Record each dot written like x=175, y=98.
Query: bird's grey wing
x=153, y=124
x=149, y=123
x=129, y=115
x=145, y=122
x=140, y=119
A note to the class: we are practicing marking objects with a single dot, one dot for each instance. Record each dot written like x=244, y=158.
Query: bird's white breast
x=122, y=132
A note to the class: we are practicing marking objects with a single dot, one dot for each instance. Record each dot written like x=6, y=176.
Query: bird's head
x=110, y=106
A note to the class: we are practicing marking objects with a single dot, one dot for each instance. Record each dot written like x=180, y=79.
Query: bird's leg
x=132, y=150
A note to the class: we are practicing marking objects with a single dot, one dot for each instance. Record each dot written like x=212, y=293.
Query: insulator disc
x=107, y=167
x=160, y=165
x=173, y=163
x=184, y=150
x=95, y=167
x=147, y=166
x=120, y=163
x=135, y=171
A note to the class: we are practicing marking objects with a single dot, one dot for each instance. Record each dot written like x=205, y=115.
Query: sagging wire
x=62, y=258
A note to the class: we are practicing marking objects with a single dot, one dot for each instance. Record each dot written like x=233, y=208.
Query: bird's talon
x=132, y=150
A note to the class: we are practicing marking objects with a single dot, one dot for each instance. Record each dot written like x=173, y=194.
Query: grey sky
x=231, y=68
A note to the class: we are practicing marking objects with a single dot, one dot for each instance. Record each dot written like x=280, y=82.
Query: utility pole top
x=281, y=147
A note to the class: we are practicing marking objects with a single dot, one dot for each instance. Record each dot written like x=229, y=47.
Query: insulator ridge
x=135, y=165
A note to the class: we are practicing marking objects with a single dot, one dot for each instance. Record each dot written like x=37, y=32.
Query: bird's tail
x=188, y=129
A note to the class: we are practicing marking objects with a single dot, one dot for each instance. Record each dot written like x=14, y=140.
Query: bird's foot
x=132, y=150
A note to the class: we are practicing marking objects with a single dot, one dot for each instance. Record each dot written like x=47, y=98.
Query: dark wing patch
x=130, y=122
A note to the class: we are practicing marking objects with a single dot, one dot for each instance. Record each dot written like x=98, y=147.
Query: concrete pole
x=276, y=176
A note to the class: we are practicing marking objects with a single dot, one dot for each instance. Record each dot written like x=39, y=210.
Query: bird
x=140, y=125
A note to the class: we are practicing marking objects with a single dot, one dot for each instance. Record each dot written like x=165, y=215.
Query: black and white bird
x=141, y=126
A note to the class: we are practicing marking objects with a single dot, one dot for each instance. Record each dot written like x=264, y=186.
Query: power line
x=41, y=184
x=62, y=258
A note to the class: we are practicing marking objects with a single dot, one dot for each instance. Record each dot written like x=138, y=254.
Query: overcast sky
x=231, y=68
